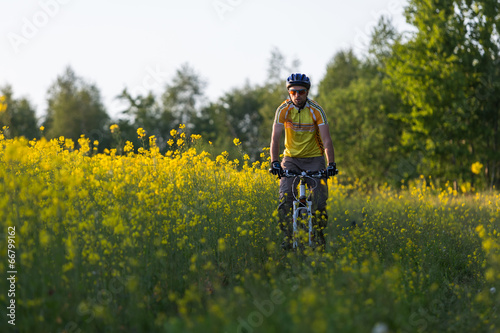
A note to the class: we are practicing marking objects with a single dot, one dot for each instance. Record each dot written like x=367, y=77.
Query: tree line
x=423, y=102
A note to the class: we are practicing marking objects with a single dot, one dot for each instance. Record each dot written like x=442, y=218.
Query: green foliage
x=358, y=106
x=447, y=72
x=183, y=98
x=344, y=68
x=75, y=108
x=238, y=114
x=18, y=115
x=246, y=113
x=272, y=95
x=142, y=112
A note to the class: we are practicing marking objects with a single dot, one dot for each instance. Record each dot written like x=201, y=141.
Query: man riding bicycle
x=307, y=141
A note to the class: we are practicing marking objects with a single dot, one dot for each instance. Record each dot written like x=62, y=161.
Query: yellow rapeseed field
x=187, y=241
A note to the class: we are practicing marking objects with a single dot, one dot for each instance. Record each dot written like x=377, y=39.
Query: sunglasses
x=300, y=92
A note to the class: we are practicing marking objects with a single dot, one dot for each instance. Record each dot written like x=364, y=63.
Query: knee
x=286, y=201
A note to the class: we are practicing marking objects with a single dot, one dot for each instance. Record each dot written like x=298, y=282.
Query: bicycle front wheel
x=300, y=226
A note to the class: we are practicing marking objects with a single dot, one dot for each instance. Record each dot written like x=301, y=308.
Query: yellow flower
x=490, y=275
x=221, y=244
x=69, y=144
x=476, y=168
x=83, y=142
x=152, y=141
x=488, y=244
x=3, y=105
x=132, y=283
x=173, y=132
x=480, y=231
x=44, y=238
x=114, y=128
x=195, y=137
x=93, y=258
x=129, y=146
x=141, y=132
x=236, y=142
x=67, y=266
x=239, y=290
x=181, y=126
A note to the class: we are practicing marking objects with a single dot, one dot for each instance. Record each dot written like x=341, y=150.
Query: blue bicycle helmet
x=298, y=79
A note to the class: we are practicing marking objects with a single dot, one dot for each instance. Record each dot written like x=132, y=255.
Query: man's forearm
x=274, y=154
x=327, y=142
x=330, y=155
x=329, y=152
x=275, y=142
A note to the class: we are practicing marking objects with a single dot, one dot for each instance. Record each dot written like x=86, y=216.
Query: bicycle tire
x=301, y=231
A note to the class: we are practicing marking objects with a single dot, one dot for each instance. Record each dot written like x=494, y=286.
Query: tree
x=143, y=112
x=383, y=38
x=343, y=69
x=364, y=137
x=277, y=67
x=238, y=110
x=273, y=91
x=358, y=105
x=184, y=98
x=447, y=72
x=75, y=108
x=247, y=113
x=18, y=115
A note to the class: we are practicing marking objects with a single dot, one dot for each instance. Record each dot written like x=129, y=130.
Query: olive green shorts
x=288, y=185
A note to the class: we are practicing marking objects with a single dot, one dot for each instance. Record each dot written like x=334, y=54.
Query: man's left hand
x=331, y=170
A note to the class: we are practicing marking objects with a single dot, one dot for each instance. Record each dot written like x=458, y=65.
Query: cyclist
x=307, y=141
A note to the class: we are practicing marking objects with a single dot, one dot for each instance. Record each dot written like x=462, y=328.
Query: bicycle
x=302, y=207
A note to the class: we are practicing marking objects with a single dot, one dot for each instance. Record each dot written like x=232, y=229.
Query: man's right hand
x=276, y=169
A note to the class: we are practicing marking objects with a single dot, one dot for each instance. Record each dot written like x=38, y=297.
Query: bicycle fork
x=302, y=207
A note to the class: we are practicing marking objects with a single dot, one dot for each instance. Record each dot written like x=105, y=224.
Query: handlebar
x=303, y=174
x=311, y=174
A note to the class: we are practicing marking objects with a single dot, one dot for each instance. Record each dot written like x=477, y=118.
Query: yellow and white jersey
x=302, y=138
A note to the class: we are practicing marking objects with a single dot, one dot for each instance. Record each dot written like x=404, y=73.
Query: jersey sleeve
x=281, y=113
x=318, y=113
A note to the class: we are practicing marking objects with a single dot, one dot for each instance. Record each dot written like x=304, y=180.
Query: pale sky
x=140, y=44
